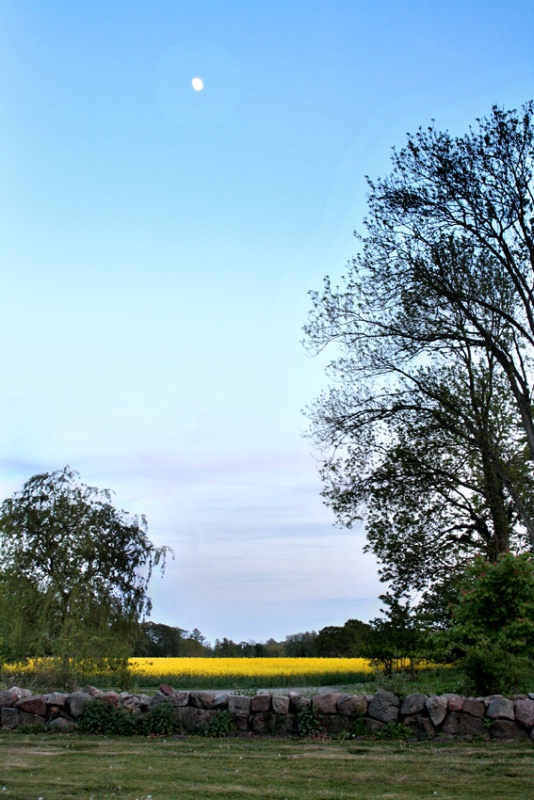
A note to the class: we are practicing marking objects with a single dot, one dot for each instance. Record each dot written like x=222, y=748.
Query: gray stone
x=436, y=706
x=9, y=697
x=350, y=705
x=421, y=726
x=32, y=705
x=201, y=699
x=298, y=701
x=334, y=724
x=241, y=724
x=239, y=706
x=166, y=689
x=280, y=704
x=143, y=702
x=220, y=701
x=191, y=718
x=77, y=702
x=263, y=722
x=524, y=712
x=373, y=725
x=505, y=729
x=92, y=690
x=10, y=717
x=180, y=699
x=454, y=701
x=111, y=698
x=474, y=707
x=260, y=703
x=325, y=703
x=56, y=699
x=500, y=708
x=413, y=704
x=384, y=706
x=460, y=724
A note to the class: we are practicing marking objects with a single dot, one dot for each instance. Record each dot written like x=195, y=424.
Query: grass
x=75, y=767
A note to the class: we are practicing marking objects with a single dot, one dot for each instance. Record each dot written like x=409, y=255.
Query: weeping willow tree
x=74, y=573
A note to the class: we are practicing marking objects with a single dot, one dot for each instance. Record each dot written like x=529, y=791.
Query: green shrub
x=489, y=668
x=493, y=623
x=393, y=730
x=308, y=722
x=219, y=726
x=103, y=718
x=159, y=719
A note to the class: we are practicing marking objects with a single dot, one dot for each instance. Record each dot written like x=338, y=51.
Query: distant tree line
x=351, y=640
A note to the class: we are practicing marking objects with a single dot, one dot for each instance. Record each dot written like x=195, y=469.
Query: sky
x=157, y=249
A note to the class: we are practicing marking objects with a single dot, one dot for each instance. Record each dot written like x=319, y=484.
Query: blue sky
x=158, y=245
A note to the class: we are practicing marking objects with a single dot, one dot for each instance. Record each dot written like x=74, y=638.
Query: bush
x=159, y=720
x=493, y=623
x=488, y=669
x=103, y=718
x=393, y=730
x=219, y=726
x=309, y=723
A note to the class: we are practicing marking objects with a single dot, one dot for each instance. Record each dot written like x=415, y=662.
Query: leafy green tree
x=347, y=641
x=156, y=640
x=300, y=645
x=74, y=571
x=427, y=429
x=394, y=640
x=493, y=622
x=226, y=648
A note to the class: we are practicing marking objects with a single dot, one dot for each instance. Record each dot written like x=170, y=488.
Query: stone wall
x=446, y=715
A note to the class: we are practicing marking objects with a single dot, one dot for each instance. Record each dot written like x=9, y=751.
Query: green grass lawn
x=76, y=767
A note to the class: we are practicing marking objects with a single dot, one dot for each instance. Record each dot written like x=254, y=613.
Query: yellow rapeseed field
x=201, y=672
x=247, y=667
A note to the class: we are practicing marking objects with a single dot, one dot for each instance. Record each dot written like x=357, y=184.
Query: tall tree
x=428, y=424
x=76, y=570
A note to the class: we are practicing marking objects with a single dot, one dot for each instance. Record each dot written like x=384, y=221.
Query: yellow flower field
x=215, y=668
x=196, y=673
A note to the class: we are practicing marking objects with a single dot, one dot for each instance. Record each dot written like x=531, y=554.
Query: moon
x=197, y=84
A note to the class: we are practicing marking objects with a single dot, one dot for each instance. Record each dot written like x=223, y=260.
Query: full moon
x=198, y=84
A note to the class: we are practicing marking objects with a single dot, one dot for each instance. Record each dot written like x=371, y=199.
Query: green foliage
x=427, y=430
x=394, y=640
x=493, y=623
x=309, y=724
x=490, y=669
x=31, y=729
x=103, y=718
x=219, y=726
x=74, y=572
x=300, y=645
x=159, y=719
x=347, y=641
x=393, y=730
x=356, y=727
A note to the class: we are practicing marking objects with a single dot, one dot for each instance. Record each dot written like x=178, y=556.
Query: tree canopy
x=427, y=429
x=74, y=570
